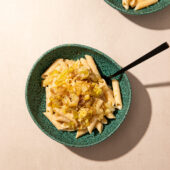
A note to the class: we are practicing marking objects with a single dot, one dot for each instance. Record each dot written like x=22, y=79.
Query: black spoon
x=152, y=53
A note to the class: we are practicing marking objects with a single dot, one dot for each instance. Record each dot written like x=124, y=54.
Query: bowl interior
x=35, y=94
x=153, y=8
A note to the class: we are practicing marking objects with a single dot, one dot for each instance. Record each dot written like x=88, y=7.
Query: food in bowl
x=77, y=98
x=137, y=4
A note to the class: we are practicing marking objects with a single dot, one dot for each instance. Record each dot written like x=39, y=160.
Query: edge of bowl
x=35, y=121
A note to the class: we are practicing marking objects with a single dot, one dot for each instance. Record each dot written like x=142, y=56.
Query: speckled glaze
x=35, y=94
x=117, y=4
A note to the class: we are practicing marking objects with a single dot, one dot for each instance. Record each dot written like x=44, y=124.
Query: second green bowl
x=117, y=4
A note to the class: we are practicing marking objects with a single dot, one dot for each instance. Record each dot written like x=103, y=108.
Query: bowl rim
x=124, y=11
x=36, y=122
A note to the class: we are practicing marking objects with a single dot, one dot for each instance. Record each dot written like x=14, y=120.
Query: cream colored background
x=29, y=28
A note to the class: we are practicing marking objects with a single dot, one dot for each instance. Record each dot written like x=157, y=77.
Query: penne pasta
x=110, y=116
x=70, y=117
x=69, y=62
x=108, y=93
x=137, y=1
x=104, y=120
x=84, y=62
x=99, y=127
x=92, y=125
x=92, y=65
x=58, y=125
x=51, y=68
x=67, y=117
x=133, y=3
x=62, y=65
x=61, y=119
x=125, y=4
x=61, y=126
x=144, y=4
x=48, y=115
x=48, y=106
x=117, y=95
x=81, y=133
x=98, y=103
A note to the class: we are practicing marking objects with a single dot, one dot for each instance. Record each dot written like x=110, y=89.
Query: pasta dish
x=77, y=98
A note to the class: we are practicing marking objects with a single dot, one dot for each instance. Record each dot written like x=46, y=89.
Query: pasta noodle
x=104, y=120
x=48, y=107
x=92, y=64
x=110, y=116
x=117, y=95
x=81, y=133
x=51, y=68
x=125, y=3
x=99, y=127
x=108, y=94
x=92, y=125
x=133, y=3
x=145, y=3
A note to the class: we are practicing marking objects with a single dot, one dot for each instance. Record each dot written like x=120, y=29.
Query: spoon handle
x=152, y=53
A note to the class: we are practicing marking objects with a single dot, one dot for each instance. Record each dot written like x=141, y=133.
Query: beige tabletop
x=29, y=28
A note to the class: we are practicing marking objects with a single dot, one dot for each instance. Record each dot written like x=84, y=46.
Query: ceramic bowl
x=35, y=94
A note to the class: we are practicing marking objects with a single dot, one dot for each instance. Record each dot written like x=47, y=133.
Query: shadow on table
x=129, y=133
x=158, y=21
x=164, y=84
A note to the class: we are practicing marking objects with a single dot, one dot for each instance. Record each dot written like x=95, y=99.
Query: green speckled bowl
x=35, y=94
x=117, y=4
